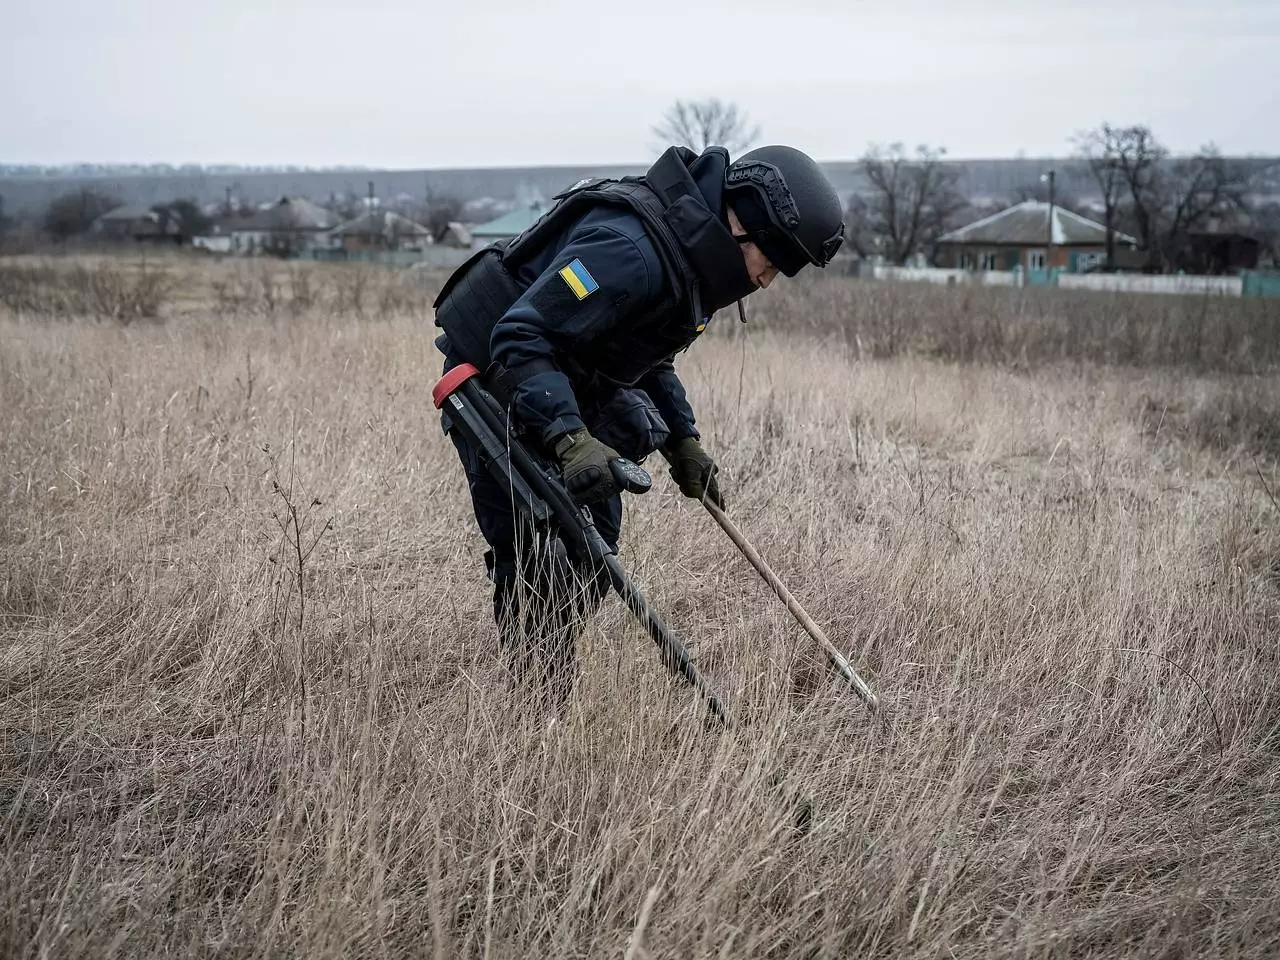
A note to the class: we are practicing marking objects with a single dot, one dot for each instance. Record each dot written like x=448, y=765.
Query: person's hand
x=693, y=470
x=585, y=461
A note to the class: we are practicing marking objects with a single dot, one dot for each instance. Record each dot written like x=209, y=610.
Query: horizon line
x=349, y=168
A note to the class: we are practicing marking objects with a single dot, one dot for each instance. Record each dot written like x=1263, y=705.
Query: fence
x=1258, y=284
x=1248, y=284
x=1144, y=283
x=986, y=278
x=433, y=256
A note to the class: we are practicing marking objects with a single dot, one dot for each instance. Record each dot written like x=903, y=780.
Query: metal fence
x=1261, y=284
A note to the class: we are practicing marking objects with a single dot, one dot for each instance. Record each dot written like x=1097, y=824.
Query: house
x=456, y=234
x=213, y=240
x=379, y=230
x=1019, y=237
x=507, y=226
x=287, y=227
x=136, y=223
x=1223, y=244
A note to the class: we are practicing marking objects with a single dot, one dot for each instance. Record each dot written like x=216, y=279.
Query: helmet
x=787, y=206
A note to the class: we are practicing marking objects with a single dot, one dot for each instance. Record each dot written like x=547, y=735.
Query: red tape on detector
x=451, y=381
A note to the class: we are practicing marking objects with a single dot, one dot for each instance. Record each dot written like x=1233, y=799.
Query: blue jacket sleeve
x=668, y=395
x=599, y=277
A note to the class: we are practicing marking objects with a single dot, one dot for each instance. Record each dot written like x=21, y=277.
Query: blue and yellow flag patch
x=579, y=279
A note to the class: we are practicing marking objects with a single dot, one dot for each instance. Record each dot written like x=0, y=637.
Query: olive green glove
x=693, y=470
x=585, y=461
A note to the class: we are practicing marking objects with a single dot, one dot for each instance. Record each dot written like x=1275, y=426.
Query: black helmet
x=787, y=205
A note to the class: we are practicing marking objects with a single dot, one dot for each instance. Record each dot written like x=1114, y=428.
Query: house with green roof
x=507, y=226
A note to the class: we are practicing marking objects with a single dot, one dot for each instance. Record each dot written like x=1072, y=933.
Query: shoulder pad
x=587, y=183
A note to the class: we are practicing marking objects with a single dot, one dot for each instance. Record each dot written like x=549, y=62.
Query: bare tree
x=1138, y=156
x=1164, y=199
x=74, y=213
x=183, y=218
x=439, y=209
x=439, y=213
x=1266, y=219
x=1190, y=191
x=911, y=201
x=699, y=124
x=1101, y=148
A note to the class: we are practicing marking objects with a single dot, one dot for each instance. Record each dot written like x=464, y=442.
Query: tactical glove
x=693, y=470
x=585, y=461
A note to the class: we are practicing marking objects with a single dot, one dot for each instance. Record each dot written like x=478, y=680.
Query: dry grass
x=1032, y=327
x=1065, y=585
x=102, y=291
x=163, y=283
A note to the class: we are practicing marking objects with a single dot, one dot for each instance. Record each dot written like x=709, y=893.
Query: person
x=577, y=323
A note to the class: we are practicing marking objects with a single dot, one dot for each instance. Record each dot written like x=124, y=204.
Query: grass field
x=1044, y=527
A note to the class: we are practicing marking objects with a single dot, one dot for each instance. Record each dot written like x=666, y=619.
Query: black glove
x=693, y=470
x=585, y=461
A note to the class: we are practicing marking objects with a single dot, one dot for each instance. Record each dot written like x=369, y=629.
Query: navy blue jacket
x=611, y=258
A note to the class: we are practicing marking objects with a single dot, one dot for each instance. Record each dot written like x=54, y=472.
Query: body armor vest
x=674, y=216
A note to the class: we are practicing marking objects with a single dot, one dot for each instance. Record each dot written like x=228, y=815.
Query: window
x=988, y=261
x=966, y=261
x=1035, y=259
x=1088, y=261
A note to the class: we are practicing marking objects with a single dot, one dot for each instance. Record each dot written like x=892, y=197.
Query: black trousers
x=542, y=596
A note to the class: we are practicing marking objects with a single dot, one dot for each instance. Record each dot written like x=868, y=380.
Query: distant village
x=1029, y=243
x=1082, y=222
x=298, y=227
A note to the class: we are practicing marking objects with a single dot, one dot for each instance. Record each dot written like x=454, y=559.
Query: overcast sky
x=398, y=84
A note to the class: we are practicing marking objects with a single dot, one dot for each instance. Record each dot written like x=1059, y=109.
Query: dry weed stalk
x=183, y=770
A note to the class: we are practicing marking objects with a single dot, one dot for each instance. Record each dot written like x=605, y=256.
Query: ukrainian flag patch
x=579, y=279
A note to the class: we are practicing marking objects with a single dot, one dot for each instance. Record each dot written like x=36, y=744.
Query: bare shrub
x=302, y=292
x=233, y=290
x=350, y=289
x=1239, y=415
x=354, y=291
x=270, y=290
x=123, y=295
x=105, y=291
x=1027, y=327
x=396, y=298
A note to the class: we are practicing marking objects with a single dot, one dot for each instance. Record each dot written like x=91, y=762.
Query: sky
x=428, y=84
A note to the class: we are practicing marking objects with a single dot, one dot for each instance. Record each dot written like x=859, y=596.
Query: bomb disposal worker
x=577, y=323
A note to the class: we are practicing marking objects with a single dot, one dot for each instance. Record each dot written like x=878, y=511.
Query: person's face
x=759, y=268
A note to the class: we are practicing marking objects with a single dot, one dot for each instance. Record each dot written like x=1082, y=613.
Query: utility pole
x=1112, y=202
x=1048, y=255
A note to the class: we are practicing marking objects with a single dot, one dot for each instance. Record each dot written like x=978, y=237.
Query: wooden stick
x=797, y=611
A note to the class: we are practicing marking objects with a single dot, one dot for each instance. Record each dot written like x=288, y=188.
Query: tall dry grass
x=251, y=704
x=101, y=291
x=1033, y=326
